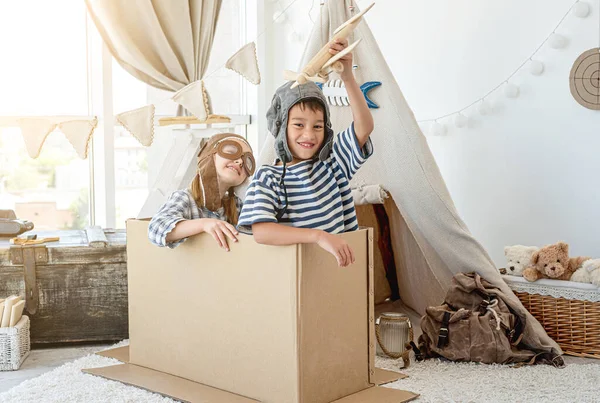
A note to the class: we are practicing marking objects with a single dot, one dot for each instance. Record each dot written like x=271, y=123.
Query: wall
x=528, y=172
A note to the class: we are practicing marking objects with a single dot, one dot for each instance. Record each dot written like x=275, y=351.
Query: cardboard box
x=274, y=324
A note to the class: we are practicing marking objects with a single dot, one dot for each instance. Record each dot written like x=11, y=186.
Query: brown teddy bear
x=552, y=261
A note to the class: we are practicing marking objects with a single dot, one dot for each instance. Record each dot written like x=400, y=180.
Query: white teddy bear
x=518, y=258
x=592, y=267
x=589, y=272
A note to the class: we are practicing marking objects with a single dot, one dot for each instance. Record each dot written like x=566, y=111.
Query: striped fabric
x=319, y=194
x=180, y=206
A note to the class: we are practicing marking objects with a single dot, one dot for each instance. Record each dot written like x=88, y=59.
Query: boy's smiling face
x=305, y=130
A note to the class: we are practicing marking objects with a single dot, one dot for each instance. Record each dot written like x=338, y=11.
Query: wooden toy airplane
x=319, y=67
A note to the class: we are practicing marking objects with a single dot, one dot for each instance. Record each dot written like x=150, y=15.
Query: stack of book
x=11, y=310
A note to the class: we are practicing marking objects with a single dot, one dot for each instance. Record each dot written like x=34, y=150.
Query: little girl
x=210, y=204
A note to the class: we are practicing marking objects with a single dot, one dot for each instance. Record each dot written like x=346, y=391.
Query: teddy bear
x=589, y=272
x=552, y=261
x=581, y=275
x=518, y=258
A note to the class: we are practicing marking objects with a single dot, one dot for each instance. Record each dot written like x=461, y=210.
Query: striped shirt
x=319, y=195
x=180, y=206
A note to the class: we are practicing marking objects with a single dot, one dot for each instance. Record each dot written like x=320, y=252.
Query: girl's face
x=231, y=172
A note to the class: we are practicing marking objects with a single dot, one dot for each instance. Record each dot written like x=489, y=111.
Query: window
x=131, y=165
x=44, y=73
x=56, y=65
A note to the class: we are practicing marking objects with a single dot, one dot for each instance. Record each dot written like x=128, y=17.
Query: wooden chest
x=74, y=292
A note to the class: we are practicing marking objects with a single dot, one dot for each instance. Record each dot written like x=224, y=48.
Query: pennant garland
x=245, y=63
x=79, y=134
x=77, y=131
x=35, y=131
x=194, y=98
x=139, y=123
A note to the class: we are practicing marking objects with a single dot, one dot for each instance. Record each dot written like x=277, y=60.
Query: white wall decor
x=581, y=9
x=536, y=67
x=584, y=79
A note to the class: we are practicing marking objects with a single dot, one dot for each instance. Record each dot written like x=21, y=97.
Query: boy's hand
x=220, y=230
x=337, y=47
x=337, y=247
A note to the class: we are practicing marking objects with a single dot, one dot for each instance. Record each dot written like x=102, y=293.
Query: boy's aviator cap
x=277, y=117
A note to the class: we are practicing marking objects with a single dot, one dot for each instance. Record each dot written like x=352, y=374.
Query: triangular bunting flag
x=193, y=97
x=79, y=133
x=35, y=131
x=245, y=63
x=140, y=123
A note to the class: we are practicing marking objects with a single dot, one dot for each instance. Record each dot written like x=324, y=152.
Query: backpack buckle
x=444, y=333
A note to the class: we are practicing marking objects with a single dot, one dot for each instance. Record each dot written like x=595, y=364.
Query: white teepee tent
x=430, y=241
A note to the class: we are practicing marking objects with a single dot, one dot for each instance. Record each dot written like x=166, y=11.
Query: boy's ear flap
x=326, y=150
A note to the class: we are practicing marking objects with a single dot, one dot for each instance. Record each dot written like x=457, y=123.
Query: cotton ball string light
x=536, y=67
x=581, y=9
x=484, y=108
x=511, y=90
x=557, y=41
x=460, y=120
x=438, y=129
x=279, y=17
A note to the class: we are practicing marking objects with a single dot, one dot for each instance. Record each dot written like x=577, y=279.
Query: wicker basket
x=14, y=345
x=569, y=311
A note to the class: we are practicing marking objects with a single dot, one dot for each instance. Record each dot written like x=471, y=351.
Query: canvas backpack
x=476, y=323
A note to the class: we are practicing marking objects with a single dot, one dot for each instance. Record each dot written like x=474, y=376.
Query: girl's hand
x=220, y=230
x=337, y=247
x=337, y=47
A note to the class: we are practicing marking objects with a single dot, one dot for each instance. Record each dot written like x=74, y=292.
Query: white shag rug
x=434, y=380
x=444, y=381
x=67, y=384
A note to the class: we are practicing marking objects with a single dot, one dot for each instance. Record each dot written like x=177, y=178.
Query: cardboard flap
x=118, y=353
x=383, y=376
x=378, y=394
x=165, y=384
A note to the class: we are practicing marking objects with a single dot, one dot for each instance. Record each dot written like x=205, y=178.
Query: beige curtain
x=164, y=43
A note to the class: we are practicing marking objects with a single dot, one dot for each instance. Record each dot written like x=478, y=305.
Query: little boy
x=305, y=196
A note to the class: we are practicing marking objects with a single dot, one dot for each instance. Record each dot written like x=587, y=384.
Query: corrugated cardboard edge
x=299, y=252
x=371, y=305
x=383, y=376
x=118, y=353
x=165, y=384
x=378, y=394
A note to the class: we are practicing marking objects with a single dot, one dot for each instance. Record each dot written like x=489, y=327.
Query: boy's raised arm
x=363, y=121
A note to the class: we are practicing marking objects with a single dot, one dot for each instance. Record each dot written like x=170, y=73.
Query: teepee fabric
x=193, y=97
x=79, y=134
x=245, y=63
x=139, y=123
x=431, y=242
x=34, y=132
